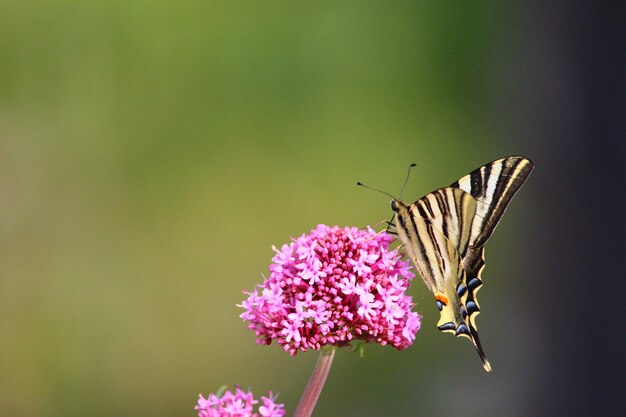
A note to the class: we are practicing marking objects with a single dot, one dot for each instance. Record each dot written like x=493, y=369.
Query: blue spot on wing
x=460, y=289
x=471, y=307
x=474, y=283
x=462, y=329
x=447, y=326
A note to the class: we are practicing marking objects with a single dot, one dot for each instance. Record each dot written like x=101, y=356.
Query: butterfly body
x=444, y=233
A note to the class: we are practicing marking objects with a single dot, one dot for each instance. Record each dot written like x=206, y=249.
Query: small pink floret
x=332, y=286
x=238, y=404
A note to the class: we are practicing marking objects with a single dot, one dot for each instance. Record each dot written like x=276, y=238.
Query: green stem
x=316, y=383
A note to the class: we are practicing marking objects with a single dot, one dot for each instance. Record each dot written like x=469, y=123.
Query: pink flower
x=330, y=287
x=270, y=408
x=238, y=404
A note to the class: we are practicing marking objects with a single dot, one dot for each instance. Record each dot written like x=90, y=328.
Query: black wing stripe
x=486, y=173
x=421, y=211
x=421, y=244
x=428, y=207
x=505, y=179
x=440, y=257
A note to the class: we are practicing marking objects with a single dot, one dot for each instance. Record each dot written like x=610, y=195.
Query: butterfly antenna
x=360, y=184
x=390, y=222
x=406, y=180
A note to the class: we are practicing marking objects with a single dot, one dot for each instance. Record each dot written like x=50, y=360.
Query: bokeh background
x=151, y=153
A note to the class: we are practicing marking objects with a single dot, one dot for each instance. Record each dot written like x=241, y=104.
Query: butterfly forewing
x=444, y=233
x=450, y=211
x=493, y=186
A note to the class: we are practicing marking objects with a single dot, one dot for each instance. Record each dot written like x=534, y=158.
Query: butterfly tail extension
x=476, y=341
x=470, y=303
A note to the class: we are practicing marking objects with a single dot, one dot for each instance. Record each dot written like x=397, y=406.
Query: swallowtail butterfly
x=445, y=231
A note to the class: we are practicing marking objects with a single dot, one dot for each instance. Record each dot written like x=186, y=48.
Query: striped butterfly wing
x=440, y=239
x=444, y=233
x=492, y=186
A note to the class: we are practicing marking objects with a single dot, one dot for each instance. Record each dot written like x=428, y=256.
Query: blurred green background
x=152, y=152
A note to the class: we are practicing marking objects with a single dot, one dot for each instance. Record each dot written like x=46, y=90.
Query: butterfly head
x=397, y=205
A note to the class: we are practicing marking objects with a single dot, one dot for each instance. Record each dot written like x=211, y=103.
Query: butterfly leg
x=389, y=224
x=380, y=223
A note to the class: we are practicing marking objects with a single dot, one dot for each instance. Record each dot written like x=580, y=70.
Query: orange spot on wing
x=442, y=298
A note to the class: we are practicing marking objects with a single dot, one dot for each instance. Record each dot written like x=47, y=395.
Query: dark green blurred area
x=152, y=152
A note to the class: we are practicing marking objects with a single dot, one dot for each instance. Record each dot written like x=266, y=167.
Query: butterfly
x=444, y=234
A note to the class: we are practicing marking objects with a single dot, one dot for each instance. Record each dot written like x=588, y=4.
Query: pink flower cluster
x=238, y=404
x=330, y=287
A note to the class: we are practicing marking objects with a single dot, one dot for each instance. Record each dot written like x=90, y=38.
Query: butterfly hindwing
x=444, y=233
x=457, y=303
